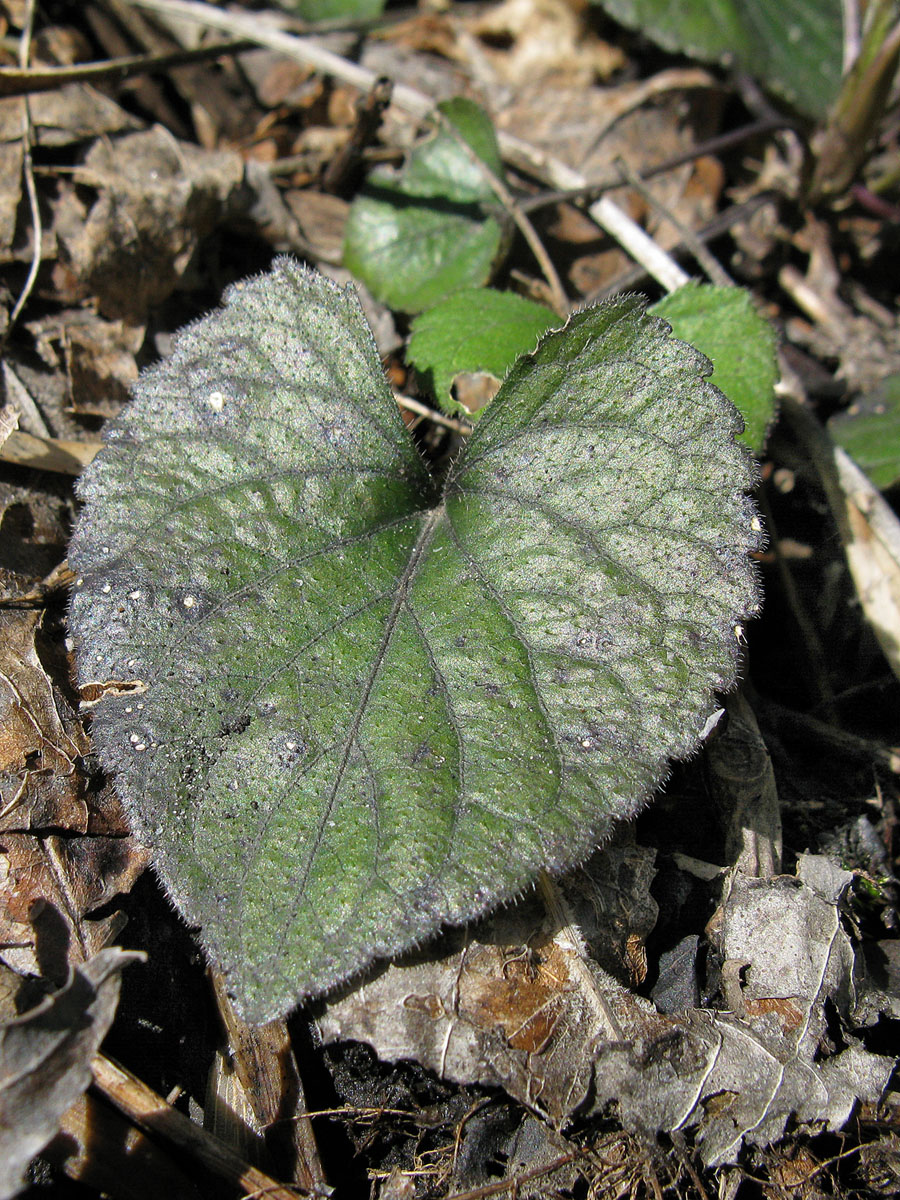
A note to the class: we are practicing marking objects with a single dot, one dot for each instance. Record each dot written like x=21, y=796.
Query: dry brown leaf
x=49, y=883
x=515, y=1004
x=34, y=736
x=73, y=113
x=62, y=455
x=11, y=158
x=525, y=40
x=49, y=886
x=100, y=362
x=157, y=198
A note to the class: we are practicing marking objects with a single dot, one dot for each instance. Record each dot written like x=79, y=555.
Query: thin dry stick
x=706, y=259
x=28, y=170
x=422, y=410
x=841, y=743
x=615, y=178
x=513, y=1184
x=264, y=1063
x=154, y=1116
x=608, y=215
x=642, y=248
x=19, y=81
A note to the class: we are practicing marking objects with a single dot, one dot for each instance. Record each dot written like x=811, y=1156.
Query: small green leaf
x=870, y=433
x=348, y=702
x=793, y=46
x=477, y=329
x=417, y=236
x=723, y=324
x=335, y=10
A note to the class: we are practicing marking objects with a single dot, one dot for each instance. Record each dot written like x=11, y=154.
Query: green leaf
x=477, y=329
x=723, y=324
x=335, y=10
x=793, y=46
x=417, y=236
x=346, y=702
x=870, y=433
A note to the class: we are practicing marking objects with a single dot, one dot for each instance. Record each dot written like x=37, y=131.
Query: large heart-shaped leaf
x=352, y=703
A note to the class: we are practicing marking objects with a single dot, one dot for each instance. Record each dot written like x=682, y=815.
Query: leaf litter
x=793, y=1028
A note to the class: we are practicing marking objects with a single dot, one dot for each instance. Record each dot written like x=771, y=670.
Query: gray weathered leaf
x=45, y=1060
x=516, y=1004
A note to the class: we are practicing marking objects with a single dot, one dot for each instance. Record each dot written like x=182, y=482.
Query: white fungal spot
x=189, y=601
x=135, y=595
x=106, y=589
x=216, y=401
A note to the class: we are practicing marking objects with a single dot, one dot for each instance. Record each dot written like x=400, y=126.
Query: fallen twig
x=26, y=81
x=150, y=1112
x=37, y=229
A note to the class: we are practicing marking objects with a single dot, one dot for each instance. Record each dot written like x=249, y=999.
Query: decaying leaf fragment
x=157, y=198
x=527, y=1011
x=64, y=849
x=45, y=1058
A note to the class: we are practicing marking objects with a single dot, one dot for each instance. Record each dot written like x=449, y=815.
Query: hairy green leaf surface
x=417, y=236
x=792, y=46
x=724, y=325
x=477, y=329
x=352, y=704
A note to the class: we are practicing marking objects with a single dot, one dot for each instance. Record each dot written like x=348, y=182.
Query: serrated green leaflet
x=477, y=329
x=366, y=704
x=724, y=325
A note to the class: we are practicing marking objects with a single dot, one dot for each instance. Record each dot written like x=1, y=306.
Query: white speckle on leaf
x=216, y=401
x=189, y=601
x=106, y=589
x=135, y=595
